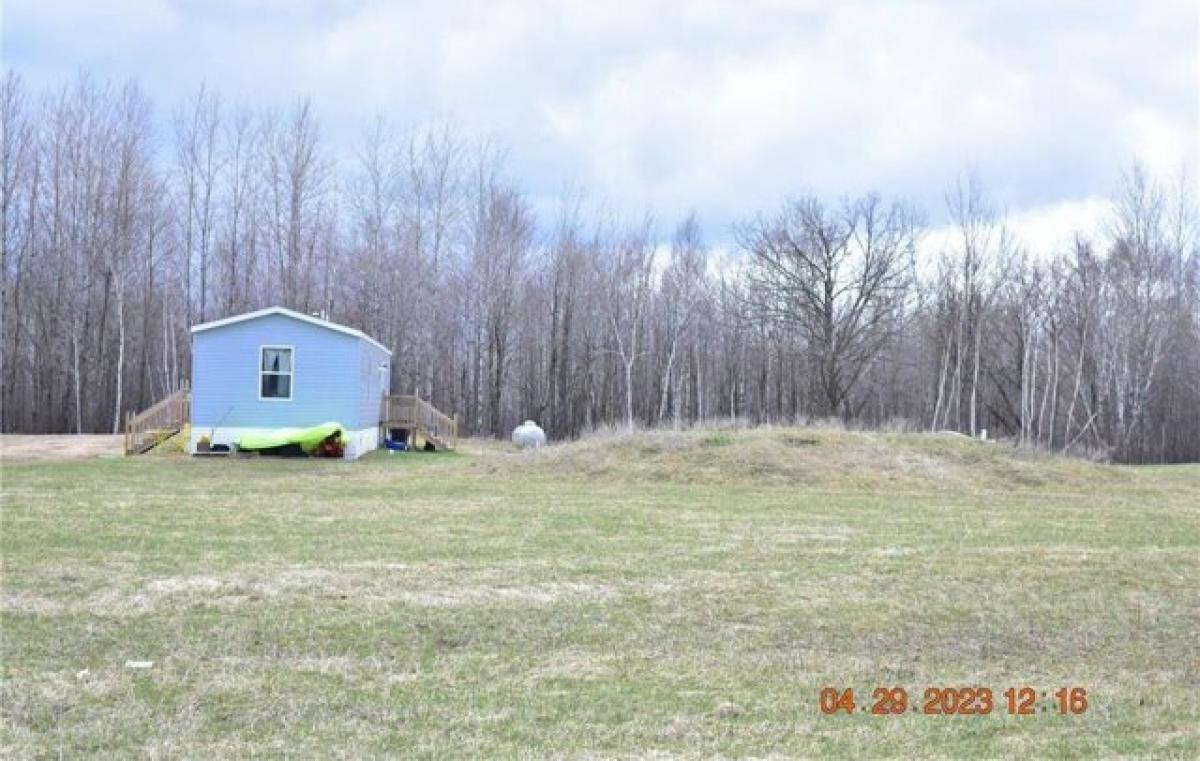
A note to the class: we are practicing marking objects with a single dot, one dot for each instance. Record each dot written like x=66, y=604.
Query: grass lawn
x=684, y=595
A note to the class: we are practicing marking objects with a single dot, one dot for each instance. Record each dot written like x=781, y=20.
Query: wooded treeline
x=118, y=234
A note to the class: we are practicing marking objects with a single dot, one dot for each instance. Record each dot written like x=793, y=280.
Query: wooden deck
x=157, y=423
x=418, y=417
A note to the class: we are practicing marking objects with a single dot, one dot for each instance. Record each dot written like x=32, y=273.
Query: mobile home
x=260, y=372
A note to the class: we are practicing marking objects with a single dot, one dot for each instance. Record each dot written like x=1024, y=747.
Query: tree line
x=120, y=231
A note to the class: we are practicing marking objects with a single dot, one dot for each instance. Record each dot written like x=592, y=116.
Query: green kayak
x=308, y=438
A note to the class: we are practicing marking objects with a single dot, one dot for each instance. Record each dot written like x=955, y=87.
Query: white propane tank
x=529, y=435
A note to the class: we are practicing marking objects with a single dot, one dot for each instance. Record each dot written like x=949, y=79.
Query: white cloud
x=1040, y=231
x=720, y=106
x=1052, y=228
x=1161, y=145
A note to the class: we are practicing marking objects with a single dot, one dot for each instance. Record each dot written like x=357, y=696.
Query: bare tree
x=1138, y=296
x=841, y=278
x=19, y=184
x=625, y=275
x=683, y=289
x=197, y=131
x=974, y=271
x=503, y=233
x=296, y=187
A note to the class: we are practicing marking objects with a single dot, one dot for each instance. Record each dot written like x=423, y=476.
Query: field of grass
x=680, y=595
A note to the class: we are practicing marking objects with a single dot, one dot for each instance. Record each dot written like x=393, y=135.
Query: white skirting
x=358, y=442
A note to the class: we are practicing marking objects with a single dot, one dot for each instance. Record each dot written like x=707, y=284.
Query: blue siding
x=329, y=381
x=373, y=384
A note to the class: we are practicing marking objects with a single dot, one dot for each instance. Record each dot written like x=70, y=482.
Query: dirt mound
x=815, y=458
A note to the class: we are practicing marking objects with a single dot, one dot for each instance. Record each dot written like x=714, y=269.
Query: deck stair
x=157, y=423
x=418, y=417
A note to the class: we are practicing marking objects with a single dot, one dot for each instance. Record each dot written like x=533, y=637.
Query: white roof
x=295, y=316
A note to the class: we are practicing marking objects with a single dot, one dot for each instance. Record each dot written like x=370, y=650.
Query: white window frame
x=258, y=376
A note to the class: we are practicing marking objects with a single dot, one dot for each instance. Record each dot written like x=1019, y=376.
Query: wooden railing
x=157, y=422
x=414, y=413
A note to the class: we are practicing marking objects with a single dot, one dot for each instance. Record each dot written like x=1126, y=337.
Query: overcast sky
x=724, y=107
